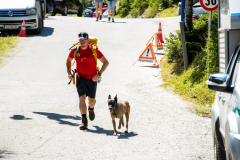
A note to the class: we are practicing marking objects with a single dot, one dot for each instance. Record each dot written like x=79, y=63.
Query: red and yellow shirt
x=85, y=62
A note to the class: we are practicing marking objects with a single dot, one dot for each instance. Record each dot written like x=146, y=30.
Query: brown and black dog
x=117, y=109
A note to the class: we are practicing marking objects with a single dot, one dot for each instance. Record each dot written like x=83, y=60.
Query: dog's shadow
x=120, y=135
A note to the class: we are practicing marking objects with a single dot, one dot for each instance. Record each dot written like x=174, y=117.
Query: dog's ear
x=109, y=97
x=115, y=98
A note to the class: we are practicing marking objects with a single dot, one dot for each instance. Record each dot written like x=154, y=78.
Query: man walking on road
x=87, y=76
x=111, y=6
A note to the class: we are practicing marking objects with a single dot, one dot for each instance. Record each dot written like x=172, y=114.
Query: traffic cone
x=22, y=32
x=160, y=33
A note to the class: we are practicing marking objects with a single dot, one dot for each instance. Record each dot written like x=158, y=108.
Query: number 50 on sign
x=209, y=5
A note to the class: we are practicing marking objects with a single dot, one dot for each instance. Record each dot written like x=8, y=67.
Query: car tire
x=40, y=26
x=219, y=153
x=65, y=10
x=80, y=11
x=53, y=14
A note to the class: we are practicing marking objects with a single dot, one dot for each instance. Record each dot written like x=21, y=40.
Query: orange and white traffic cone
x=160, y=33
x=22, y=32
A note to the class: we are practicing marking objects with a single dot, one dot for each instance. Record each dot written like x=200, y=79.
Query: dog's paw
x=119, y=127
x=115, y=134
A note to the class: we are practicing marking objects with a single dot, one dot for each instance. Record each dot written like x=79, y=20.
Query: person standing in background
x=111, y=6
x=100, y=4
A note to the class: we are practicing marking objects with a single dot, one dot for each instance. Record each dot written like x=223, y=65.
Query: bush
x=173, y=47
x=139, y=7
x=86, y=3
x=164, y=4
x=124, y=8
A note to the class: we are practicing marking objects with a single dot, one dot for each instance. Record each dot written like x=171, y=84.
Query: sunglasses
x=85, y=36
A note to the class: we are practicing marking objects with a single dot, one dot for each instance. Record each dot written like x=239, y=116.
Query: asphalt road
x=39, y=114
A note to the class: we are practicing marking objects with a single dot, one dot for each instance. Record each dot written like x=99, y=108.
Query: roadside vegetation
x=6, y=43
x=146, y=8
x=203, y=61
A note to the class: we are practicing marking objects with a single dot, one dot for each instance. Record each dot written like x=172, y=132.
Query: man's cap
x=83, y=35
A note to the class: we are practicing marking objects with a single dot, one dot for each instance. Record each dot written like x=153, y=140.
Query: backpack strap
x=94, y=50
x=75, y=53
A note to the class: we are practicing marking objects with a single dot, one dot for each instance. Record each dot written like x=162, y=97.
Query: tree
x=188, y=14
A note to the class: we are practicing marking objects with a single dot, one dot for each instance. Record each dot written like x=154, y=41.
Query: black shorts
x=86, y=86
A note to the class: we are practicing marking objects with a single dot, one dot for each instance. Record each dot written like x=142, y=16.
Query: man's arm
x=103, y=68
x=68, y=65
x=105, y=64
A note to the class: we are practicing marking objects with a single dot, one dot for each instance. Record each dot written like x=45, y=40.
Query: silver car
x=226, y=110
x=12, y=13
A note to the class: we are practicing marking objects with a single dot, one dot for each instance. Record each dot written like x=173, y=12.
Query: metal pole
x=209, y=29
x=182, y=10
x=209, y=22
x=184, y=46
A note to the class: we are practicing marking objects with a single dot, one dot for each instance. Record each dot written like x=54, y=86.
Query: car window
x=235, y=72
x=232, y=60
x=198, y=10
x=234, y=69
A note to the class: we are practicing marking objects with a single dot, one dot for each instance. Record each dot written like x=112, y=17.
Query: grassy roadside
x=197, y=93
x=168, y=12
x=6, y=44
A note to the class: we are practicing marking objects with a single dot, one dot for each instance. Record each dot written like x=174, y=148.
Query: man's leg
x=83, y=110
x=109, y=10
x=82, y=104
x=91, y=104
x=113, y=10
x=100, y=8
x=96, y=6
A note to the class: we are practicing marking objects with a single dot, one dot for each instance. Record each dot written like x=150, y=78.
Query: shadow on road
x=20, y=117
x=113, y=22
x=110, y=133
x=46, y=31
x=5, y=154
x=60, y=117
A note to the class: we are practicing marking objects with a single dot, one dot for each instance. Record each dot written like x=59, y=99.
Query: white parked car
x=12, y=13
x=226, y=110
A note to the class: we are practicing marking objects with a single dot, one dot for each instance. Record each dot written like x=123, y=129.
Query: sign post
x=209, y=5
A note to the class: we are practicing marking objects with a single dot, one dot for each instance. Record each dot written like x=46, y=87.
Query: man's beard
x=83, y=45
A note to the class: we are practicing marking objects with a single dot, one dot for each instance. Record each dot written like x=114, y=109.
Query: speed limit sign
x=209, y=5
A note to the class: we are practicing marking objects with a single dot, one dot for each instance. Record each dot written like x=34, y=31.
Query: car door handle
x=223, y=100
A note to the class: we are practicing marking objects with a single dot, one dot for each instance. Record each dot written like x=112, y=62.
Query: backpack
x=93, y=42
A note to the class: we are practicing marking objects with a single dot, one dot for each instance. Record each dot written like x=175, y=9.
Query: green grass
x=6, y=44
x=198, y=93
x=169, y=12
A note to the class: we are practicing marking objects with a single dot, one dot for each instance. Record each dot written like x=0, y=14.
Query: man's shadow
x=59, y=117
x=120, y=135
x=5, y=154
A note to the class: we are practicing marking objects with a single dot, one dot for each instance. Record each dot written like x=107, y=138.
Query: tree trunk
x=188, y=14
